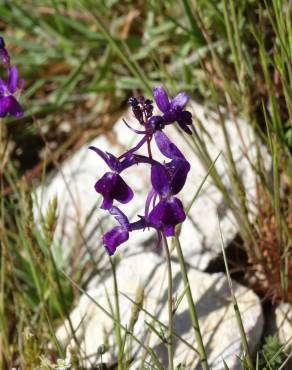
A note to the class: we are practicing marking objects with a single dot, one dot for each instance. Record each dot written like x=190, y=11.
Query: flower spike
x=163, y=210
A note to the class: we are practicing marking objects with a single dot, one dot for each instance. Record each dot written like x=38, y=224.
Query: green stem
x=236, y=308
x=170, y=312
x=192, y=308
x=118, y=315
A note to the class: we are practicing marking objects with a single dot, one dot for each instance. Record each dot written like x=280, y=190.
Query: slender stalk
x=236, y=308
x=170, y=312
x=192, y=308
x=118, y=315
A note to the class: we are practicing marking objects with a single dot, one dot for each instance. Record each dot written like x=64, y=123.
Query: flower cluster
x=163, y=210
x=11, y=89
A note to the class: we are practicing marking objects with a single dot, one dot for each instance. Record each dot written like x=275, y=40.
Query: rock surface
x=215, y=310
x=80, y=220
x=283, y=316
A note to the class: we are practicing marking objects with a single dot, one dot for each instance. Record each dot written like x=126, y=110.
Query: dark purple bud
x=166, y=215
x=133, y=101
x=113, y=238
x=148, y=108
x=141, y=100
x=112, y=187
x=138, y=114
x=156, y=122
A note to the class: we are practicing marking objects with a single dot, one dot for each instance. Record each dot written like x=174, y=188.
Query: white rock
x=283, y=315
x=211, y=295
x=80, y=219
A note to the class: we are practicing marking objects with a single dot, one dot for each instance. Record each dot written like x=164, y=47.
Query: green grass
x=81, y=60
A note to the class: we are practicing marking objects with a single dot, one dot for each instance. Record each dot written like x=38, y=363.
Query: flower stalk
x=170, y=305
x=192, y=307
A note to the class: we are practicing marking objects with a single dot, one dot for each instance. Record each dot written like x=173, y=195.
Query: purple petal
x=167, y=214
x=184, y=118
x=12, y=79
x=113, y=238
x=160, y=179
x=166, y=146
x=179, y=170
x=170, y=116
x=185, y=128
x=2, y=87
x=180, y=100
x=161, y=98
x=149, y=198
x=8, y=104
x=111, y=186
x=120, y=217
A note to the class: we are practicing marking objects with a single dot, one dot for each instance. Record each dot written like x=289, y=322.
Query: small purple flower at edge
x=8, y=100
x=4, y=56
x=10, y=90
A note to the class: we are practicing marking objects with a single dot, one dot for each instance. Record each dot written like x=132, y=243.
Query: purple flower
x=113, y=238
x=167, y=214
x=168, y=180
x=10, y=90
x=4, y=56
x=119, y=234
x=173, y=110
x=8, y=101
x=163, y=210
x=111, y=186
